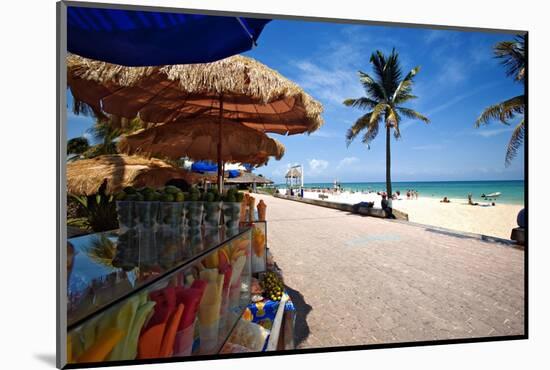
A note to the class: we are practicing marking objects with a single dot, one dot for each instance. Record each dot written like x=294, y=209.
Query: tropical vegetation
x=386, y=92
x=512, y=55
x=77, y=146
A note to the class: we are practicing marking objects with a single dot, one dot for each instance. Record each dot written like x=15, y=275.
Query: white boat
x=492, y=195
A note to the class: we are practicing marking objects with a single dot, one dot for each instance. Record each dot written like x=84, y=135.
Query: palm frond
x=363, y=103
x=404, y=88
x=81, y=108
x=377, y=111
x=388, y=71
x=362, y=123
x=370, y=135
x=394, y=115
x=403, y=98
x=412, y=114
x=512, y=55
x=515, y=142
x=373, y=89
x=503, y=111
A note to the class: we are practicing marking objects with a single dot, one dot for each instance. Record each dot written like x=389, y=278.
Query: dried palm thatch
x=248, y=178
x=84, y=177
x=198, y=140
x=252, y=93
x=293, y=173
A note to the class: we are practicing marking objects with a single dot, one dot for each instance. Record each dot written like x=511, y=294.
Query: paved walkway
x=362, y=280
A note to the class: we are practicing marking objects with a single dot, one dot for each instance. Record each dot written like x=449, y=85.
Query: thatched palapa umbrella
x=236, y=88
x=198, y=140
x=249, y=178
x=85, y=177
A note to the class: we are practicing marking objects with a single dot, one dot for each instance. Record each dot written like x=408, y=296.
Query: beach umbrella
x=237, y=88
x=204, y=166
x=241, y=88
x=199, y=140
x=85, y=177
x=152, y=38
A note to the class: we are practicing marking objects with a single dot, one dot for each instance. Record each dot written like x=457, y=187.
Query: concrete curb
x=402, y=218
x=372, y=212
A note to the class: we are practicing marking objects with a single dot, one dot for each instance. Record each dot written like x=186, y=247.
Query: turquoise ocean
x=512, y=190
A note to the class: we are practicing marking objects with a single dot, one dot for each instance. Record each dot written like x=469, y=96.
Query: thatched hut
x=85, y=177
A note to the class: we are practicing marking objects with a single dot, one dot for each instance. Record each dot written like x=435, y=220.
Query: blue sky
x=459, y=78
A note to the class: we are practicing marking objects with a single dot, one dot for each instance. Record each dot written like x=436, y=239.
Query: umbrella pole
x=220, y=165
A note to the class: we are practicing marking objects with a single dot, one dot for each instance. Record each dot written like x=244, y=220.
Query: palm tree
x=385, y=95
x=107, y=132
x=77, y=145
x=512, y=56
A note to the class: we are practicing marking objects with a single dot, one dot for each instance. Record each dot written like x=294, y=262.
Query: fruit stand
x=184, y=275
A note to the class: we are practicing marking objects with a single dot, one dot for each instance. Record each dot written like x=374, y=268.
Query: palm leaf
x=359, y=125
x=363, y=103
x=396, y=118
x=512, y=55
x=403, y=98
x=373, y=89
x=387, y=71
x=404, y=88
x=515, y=142
x=412, y=114
x=102, y=251
x=377, y=111
x=503, y=111
x=370, y=135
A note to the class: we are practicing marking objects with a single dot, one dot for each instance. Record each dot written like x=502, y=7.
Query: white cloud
x=492, y=132
x=87, y=135
x=347, y=162
x=437, y=35
x=324, y=134
x=317, y=166
x=452, y=72
x=333, y=84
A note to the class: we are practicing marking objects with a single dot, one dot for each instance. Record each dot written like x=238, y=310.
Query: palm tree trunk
x=388, y=162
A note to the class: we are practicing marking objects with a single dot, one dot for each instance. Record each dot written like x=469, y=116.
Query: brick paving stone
x=368, y=280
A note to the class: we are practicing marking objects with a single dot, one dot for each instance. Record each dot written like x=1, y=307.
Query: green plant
x=512, y=55
x=100, y=210
x=106, y=132
x=233, y=195
x=77, y=145
x=386, y=93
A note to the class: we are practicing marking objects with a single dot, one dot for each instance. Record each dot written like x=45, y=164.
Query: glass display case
x=259, y=246
x=138, y=295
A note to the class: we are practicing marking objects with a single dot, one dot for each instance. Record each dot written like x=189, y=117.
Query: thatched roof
x=248, y=178
x=85, y=177
x=198, y=139
x=253, y=93
x=293, y=173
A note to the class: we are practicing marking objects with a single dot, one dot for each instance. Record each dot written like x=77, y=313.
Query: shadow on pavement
x=301, y=328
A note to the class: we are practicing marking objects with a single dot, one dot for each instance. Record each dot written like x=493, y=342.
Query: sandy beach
x=498, y=220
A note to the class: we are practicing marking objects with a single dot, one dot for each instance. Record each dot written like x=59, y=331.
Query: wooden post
x=220, y=136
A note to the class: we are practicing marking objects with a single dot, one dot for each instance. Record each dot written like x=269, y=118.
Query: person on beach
x=470, y=202
x=387, y=206
x=445, y=200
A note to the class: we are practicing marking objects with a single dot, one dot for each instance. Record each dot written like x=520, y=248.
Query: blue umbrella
x=204, y=166
x=152, y=38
